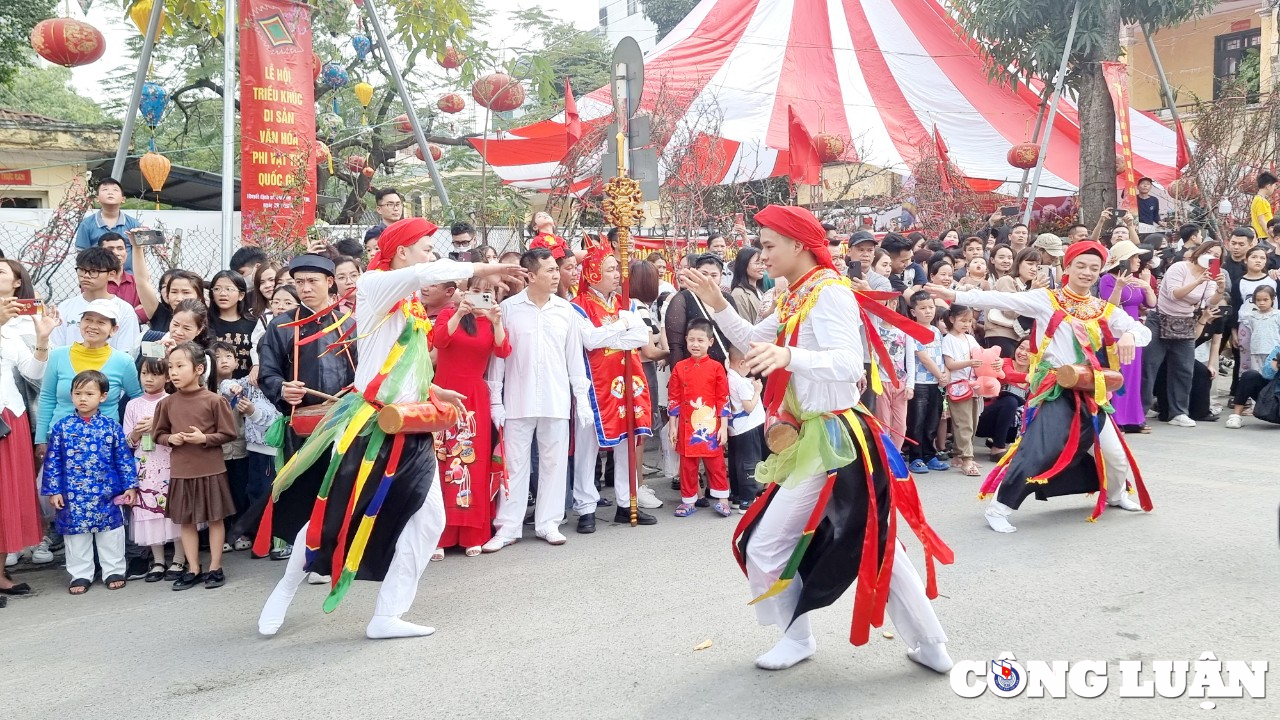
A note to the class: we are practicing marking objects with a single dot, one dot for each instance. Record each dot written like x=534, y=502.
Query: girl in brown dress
x=196, y=422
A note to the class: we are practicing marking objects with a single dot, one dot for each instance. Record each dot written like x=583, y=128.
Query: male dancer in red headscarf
x=380, y=514
x=829, y=513
x=1052, y=455
x=607, y=332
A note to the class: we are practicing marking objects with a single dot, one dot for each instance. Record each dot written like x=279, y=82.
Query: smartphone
x=147, y=237
x=151, y=349
x=480, y=300
x=1009, y=211
x=740, y=219
x=31, y=307
x=1215, y=268
x=855, y=270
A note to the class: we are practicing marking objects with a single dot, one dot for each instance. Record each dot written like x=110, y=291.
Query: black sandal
x=155, y=574
x=79, y=584
x=114, y=582
x=175, y=571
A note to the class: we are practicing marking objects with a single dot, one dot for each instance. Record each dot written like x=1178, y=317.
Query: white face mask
x=1204, y=260
x=1155, y=263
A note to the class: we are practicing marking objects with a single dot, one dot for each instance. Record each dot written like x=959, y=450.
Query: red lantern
x=403, y=124
x=1024, y=155
x=830, y=147
x=67, y=42
x=356, y=163
x=452, y=59
x=436, y=152
x=1184, y=189
x=316, y=65
x=499, y=92
x=451, y=103
x=367, y=171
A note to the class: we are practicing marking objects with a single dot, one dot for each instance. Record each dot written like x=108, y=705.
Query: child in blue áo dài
x=89, y=472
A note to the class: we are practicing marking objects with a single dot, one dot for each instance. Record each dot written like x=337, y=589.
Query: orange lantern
x=830, y=147
x=1024, y=155
x=451, y=103
x=155, y=170
x=436, y=152
x=67, y=42
x=499, y=92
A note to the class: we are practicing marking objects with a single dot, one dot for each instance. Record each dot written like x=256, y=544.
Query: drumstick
x=319, y=394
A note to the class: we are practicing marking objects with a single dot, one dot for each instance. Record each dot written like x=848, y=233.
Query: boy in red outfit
x=698, y=398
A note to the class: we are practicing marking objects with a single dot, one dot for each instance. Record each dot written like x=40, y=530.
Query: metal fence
x=195, y=244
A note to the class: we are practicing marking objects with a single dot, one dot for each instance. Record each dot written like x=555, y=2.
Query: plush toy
x=987, y=376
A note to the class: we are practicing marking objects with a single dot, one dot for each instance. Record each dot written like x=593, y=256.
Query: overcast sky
x=107, y=16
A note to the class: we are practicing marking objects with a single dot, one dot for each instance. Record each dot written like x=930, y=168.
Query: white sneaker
x=315, y=578
x=41, y=554
x=496, y=543
x=1182, y=421
x=555, y=537
x=646, y=498
x=1233, y=422
x=12, y=559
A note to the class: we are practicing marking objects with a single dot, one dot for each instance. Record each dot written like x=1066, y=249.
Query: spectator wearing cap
x=862, y=250
x=1148, y=207
x=108, y=218
x=1051, y=252
x=98, y=320
x=95, y=267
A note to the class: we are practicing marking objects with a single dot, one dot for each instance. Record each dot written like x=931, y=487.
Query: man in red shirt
x=123, y=285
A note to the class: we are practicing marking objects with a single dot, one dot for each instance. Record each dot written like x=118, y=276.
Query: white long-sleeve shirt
x=14, y=353
x=826, y=362
x=545, y=368
x=377, y=292
x=1037, y=305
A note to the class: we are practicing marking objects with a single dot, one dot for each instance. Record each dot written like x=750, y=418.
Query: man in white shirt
x=812, y=375
x=530, y=391
x=95, y=267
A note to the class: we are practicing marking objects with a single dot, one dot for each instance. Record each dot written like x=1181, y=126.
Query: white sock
x=933, y=656
x=1124, y=502
x=997, y=515
x=389, y=626
x=276, y=607
x=786, y=653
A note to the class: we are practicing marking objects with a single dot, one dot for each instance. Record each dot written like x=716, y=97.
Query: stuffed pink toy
x=987, y=376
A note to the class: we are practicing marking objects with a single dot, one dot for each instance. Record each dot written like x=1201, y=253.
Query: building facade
x=620, y=18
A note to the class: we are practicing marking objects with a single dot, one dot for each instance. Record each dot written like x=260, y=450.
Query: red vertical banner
x=1117, y=77
x=277, y=122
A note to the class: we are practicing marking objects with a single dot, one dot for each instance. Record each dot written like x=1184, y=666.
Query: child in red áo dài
x=698, y=399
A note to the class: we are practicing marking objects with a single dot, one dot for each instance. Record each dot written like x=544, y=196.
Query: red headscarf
x=593, y=263
x=799, y=225
x=1076, y=249
x=401, y=233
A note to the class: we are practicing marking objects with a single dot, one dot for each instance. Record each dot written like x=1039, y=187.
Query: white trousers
x=770, y=548
x=412, y=556
x=585, y=451
x=79, y=551
x=553, y=466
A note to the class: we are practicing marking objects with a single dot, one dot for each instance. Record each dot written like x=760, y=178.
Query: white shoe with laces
x=1182, y=421
x=315, y=578
x=496, y=543
x=555, y=537
x=1233, y=422
x=646, y=498
x=12, y=559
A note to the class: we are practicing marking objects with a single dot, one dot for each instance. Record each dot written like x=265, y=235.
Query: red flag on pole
x=1184, y=150
x=572, y=123
x=804, y=164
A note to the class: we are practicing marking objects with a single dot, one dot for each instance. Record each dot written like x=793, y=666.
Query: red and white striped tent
x=881, y=74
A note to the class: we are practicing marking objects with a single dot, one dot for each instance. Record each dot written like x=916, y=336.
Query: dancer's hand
x=707, y=289
x=450, y=397
x=764, y=358
x=507, y=275
x=1126, y=348
x=941, y=292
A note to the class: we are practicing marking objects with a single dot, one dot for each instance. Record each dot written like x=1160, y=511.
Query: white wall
x=622, y=22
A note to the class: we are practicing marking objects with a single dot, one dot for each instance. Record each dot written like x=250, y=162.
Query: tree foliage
x=1023, y=39
x=667, y=14
x=47, y=91
x=17, y=18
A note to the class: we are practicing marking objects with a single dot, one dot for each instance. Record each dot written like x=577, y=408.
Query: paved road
x=605, y=626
